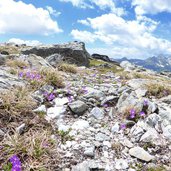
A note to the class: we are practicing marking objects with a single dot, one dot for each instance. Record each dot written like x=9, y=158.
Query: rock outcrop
x=104, y=58
x=73, y=52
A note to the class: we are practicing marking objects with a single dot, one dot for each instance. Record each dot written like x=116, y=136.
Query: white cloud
x=131, y=38
x=53, y=11
x=151, y=6
x=21, y=18
x=79, y=3
x=27, y=42
x=84, y=22
x=102, y=4
x=84, y=35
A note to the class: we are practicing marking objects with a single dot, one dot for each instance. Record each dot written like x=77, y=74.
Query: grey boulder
x=78, y=107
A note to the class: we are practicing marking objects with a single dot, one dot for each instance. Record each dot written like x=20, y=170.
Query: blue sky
x=117, y=28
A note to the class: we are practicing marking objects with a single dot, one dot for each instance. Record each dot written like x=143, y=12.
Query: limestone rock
x=121, y=164
x=55, y=113
x=74, y=52
x=89, y=151
x=141, y=154
x=35, y=62
x=8, y=81
x=78, y=107
x=97, y=113
x=80, y=125
x=102, y=137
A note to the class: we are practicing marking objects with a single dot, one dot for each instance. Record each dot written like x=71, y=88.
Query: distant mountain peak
x=157, y=63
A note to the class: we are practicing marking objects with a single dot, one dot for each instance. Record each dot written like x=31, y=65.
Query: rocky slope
x=68, y=118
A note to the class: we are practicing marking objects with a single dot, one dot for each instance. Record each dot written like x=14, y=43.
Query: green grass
x=95, y=62
x=102, y=69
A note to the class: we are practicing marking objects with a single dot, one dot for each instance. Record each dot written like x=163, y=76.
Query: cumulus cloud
x=79, y=3
x=27, y=42
x=21, y=18
x=102, y=4
x=151, y=6
x=84, y=22
x=83, y=35
x=131, y=38
x=53, y=11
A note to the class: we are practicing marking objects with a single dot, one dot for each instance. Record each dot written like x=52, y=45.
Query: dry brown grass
x=134, y=75
x=65, y=67
x=10, y=49
x=35, y=148
x=52, y=77
x=16, y=101
x=158, y=89
x=16, y=63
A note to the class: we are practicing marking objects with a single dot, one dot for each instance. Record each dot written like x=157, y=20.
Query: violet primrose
x=142, y=113
x=132, y=113
x=21, y=74
x=145, y=102
x=105, y=105
x=70, y=98
x=50, y=97
x=16, y=164
x=123, y=126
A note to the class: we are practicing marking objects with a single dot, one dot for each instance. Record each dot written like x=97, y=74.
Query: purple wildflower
x=45, y=93
x=142, y=113
x=16, y=164
x=21, y=74
x=132, y=113
x=85, y=91
x=94, y=75
x=145, y=102
x=123, y=126
x=105, y=105
x=38, y=77
x=28, y=74
x=50, y=97
x=69, y=92
x=70, y=98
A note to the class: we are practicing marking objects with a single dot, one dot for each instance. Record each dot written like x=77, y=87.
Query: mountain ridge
x=156, y=63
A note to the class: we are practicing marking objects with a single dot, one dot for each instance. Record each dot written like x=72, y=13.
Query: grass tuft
x=65, y=67
x=158, y=90
x=36, y=150
x=17, y=101
x=52, y=77
x=16, y=63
